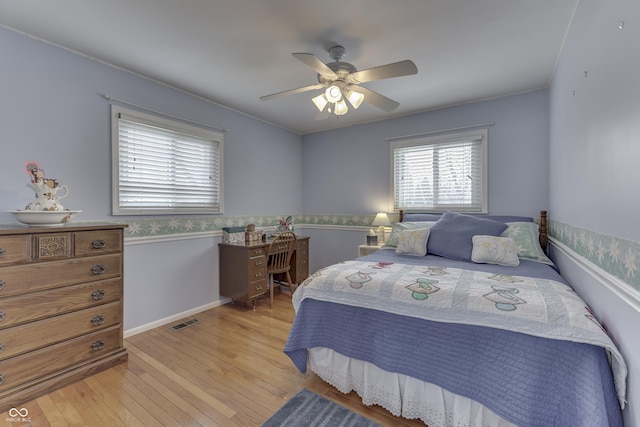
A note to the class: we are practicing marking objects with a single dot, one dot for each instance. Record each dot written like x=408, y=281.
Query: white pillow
x=399, y=227
x=494, y=250
x=413, y=242
x=526, y=236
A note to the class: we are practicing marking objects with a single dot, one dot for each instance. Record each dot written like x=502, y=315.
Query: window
x=441, y=173
x=162, y=166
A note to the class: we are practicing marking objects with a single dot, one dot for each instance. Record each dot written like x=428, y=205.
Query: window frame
x=444, y=139
x=169, y=125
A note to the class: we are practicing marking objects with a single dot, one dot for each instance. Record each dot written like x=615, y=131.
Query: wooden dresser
x=243, y=268
x=60, y=307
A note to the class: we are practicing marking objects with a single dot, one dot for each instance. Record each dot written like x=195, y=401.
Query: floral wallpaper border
x=152, y=227
x=618, y=257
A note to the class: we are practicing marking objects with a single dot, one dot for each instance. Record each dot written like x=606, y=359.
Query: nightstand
x=367, y=249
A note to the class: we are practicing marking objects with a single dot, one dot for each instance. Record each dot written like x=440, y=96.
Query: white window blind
x=165, y=167
x=441, y=173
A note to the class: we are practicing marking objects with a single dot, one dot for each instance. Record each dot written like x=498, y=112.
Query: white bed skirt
x=401, y=395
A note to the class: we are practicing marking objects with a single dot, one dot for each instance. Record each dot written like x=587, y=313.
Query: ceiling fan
x=342, y=80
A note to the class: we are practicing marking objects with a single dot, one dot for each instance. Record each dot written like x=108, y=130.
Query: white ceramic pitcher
x=47, y=198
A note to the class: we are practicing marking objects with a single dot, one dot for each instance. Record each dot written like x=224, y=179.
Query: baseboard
x=175, y=317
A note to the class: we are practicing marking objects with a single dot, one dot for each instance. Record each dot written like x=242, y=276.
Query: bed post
x=544, y=237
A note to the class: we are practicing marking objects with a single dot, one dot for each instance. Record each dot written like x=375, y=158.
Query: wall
x=594, y=173
x=348, y=170
x=52, y=110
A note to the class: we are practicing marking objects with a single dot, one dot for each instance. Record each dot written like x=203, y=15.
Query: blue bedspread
x=528, y=380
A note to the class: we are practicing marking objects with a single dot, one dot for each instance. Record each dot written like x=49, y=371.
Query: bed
x=460, y=320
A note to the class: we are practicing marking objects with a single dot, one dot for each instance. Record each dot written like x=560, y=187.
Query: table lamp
x=381, y=220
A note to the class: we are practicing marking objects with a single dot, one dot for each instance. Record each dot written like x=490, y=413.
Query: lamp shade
x=340, y=108
x=381, y=219
x=355, y=98
x=320, y=101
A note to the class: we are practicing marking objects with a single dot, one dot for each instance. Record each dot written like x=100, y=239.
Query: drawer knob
x=259, y=288
x=1, y=347
x=98, y=345
x=1, y=284
x=1, y=378
x=98, y=320
x=98, y=244
x=259, y=274
x=98, y=269
x=2, y=315
x=98, y=294
x=258, y=263
x=2, y=252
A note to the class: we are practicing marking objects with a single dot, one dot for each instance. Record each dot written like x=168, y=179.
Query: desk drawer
x=257, y=273
x=21, y=369
x=24, y=338
x=256, y=252
x=28, y=278
x=259, y=262
x=257, y=288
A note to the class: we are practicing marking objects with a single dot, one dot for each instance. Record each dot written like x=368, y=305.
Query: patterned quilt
x=538, y=307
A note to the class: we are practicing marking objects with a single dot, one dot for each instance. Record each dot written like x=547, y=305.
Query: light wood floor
x=227, y=370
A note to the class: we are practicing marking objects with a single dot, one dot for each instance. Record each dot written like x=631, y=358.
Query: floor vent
x=183, y=325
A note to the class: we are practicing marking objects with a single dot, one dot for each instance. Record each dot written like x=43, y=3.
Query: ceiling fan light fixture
x=355, y=98
x=320, y=101
x=333, y=93
x=340, y=108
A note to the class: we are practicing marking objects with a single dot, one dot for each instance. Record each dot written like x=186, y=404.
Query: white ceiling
x=233, y=52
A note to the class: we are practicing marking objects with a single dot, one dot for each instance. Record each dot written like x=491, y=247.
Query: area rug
x=307, y=409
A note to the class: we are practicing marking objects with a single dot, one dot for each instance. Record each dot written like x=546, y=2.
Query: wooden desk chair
x=279, y=253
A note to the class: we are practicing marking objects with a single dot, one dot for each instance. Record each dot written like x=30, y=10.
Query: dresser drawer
x=52, y=246
x=97, y=242
x=28, y=278
x=14, y=249
x=39, y=305
x=24, y=338
x=21, y=369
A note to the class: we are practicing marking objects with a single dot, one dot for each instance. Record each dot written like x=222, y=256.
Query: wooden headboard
x=543, y=238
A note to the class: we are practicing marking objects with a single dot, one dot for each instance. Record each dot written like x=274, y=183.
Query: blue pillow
x=451, y=237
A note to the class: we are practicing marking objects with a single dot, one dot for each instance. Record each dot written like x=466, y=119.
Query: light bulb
x=333, y=94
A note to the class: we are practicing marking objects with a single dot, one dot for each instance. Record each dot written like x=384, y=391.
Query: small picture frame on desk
x=372, y=240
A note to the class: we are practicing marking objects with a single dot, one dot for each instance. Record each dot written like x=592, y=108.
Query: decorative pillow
x=526, y=236
x=399, y=227
x=450, y=237
x=494, y=250
x=413, y=242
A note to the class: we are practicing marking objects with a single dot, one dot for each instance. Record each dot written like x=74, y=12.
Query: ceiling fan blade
x=318, y=66
x=292, y=91
x=377, y=100
x=396, y=69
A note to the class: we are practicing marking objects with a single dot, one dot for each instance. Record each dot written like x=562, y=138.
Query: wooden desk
x=243, y=268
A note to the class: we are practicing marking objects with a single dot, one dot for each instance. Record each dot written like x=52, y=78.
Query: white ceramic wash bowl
x=44, y=218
